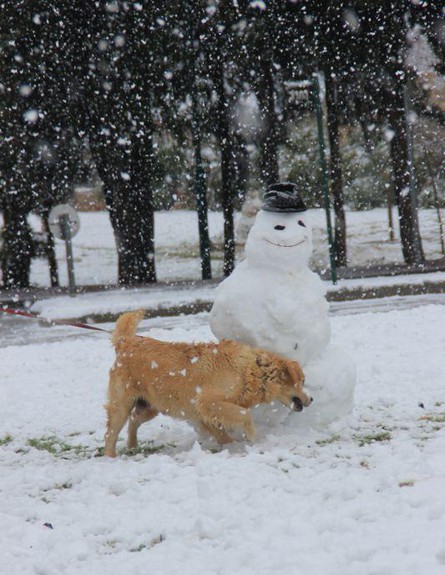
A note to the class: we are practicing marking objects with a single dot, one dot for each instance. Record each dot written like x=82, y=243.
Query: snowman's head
x=280, y=239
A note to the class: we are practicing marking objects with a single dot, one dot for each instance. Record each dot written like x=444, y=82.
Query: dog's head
x=286, y=384
x=293, y=387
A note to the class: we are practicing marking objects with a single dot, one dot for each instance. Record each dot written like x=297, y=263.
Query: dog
x=212, y=385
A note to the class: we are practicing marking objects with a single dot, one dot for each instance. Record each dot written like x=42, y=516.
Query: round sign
x=56, y=216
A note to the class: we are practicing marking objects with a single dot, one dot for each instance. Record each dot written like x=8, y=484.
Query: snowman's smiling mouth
x=285, y=245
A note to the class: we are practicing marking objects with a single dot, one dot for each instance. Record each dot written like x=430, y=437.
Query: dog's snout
x=308, y=401
x=297, y=404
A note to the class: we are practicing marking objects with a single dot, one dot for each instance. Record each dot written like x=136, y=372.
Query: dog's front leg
x=219, y=434
x=226, y=416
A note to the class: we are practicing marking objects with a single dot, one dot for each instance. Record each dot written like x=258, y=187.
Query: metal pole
x=66, y=235
x=324, y=172
x=50, y=251
x=200, y=185
x=390, y=219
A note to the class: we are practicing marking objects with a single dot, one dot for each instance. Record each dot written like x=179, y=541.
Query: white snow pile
x=274, y=301
x=366, y=495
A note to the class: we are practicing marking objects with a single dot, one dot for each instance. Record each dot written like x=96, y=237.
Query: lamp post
x=64, y=223
x=304, y=91
x=324, y=172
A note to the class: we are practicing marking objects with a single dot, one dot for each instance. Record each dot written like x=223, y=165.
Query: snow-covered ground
x=363, y=497
x=177, y=253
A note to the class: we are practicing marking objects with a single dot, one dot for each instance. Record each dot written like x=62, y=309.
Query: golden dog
x=212, y=385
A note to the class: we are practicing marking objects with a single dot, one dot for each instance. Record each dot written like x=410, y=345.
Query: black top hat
x=283, y=197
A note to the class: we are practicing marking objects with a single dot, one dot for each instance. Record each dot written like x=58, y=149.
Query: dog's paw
x=249, y=431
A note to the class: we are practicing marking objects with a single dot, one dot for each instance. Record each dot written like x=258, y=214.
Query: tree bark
x=130, y=204
x=333, y=123
x=17, y=249
x=400, y=158
x=268, y=152
x=227, y=183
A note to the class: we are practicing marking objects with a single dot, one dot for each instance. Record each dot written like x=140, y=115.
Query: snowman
x=274, y=301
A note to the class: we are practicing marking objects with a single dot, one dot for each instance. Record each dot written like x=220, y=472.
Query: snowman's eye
x=280, y=228
x=301, y=223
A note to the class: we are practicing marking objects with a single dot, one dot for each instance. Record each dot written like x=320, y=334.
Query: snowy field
x=365, y=496
x=177, y=252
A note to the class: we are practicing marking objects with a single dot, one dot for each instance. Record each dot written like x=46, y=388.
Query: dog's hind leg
x=224, y=415
x=118, y=409
x=141, y=413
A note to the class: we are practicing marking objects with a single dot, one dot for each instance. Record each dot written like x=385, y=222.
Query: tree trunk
x=133, y=232
x=400, y=158
x=269, y=134
x=229, y=226
x=131, y=209
x=227, y=183
x=142, y=162
x=336, y=175
x=17, y=249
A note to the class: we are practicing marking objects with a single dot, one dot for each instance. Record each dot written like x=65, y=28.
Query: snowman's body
x=274, y=301
x=282, y=312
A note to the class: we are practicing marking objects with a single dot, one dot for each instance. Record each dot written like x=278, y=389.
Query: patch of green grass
x=138, y=549
x=384, y=426
x=372, y=438
x=159, y=539
x=63, y=486
x=142, y=449
x=57, y=487
x=434, y=417
x=5, y=440
x=328, y=441
x=147, y=449
x=289, y=466
x=55, y=446
x=48, y=494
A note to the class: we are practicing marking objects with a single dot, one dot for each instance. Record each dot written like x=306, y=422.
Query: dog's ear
x=295, y=372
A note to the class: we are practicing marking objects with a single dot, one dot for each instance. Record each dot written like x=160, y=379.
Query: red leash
x=51, y=321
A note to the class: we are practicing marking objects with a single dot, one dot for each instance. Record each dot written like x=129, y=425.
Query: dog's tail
x=126, y=327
